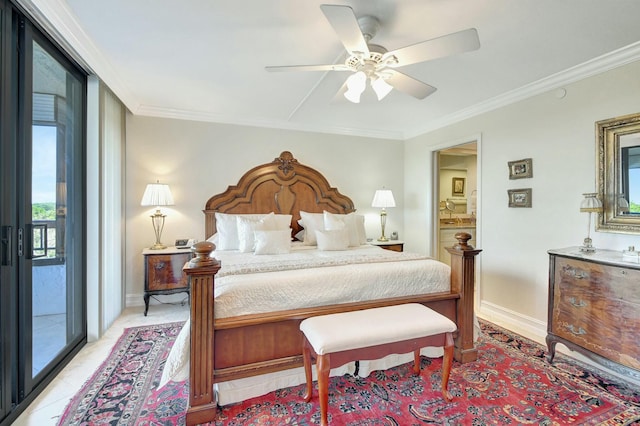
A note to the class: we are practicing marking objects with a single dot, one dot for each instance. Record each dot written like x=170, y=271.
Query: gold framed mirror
x=618, y=184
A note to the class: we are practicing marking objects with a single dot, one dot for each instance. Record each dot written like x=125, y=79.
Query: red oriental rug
x=510, y=384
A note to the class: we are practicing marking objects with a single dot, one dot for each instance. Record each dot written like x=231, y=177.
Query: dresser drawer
x=606, y=281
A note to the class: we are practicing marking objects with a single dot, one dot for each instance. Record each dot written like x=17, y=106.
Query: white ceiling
x=204, y=59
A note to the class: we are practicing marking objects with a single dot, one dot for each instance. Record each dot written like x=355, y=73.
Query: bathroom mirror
x=618, y=185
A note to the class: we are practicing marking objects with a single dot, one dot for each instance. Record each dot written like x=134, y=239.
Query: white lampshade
x=381, y=87
x=591, y=203
x=157, y=194
x=383, y=198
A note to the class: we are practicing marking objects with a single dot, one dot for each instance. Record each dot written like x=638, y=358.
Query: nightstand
x=394, y=245
x=163, y=272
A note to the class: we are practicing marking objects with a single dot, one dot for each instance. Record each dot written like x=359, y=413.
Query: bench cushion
x=376, y=326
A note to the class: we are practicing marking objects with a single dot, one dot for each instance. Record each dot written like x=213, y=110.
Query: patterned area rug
x=510, y=384
x=116, y=393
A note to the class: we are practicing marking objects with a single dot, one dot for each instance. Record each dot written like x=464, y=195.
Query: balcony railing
x=45, y=247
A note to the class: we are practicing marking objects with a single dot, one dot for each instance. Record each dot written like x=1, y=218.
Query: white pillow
x=227, y=229
x=312, y=222
x=273, y=242
x=215, y=239
x=337, y=239
x=362, y=234
x=349, y=221
x=247, y=226
x=283, y=221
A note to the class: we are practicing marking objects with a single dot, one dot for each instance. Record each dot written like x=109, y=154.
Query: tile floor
x=49, y=337
x=48, y=407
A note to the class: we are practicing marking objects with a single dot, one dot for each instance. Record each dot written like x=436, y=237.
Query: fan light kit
x=374, y=63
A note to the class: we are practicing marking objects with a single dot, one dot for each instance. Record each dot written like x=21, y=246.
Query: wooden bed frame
x=249, y=345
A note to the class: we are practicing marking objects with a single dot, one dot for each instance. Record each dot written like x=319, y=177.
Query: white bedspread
x=249, y=284
x=307, y=277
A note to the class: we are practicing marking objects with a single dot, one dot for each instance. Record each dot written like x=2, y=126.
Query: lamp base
x=157, y=246
x=587, y=246
x=383, y=238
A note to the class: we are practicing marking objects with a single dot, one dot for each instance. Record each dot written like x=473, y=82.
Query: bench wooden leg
x=323, y=366
x=306, y=357
x=447, y=362
x=416, y=361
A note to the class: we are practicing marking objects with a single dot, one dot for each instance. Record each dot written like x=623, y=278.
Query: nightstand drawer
x=393, y=245
x=163, y=272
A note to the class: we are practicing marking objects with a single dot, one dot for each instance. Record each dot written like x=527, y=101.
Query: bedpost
x=201, y=271
x=463, y=281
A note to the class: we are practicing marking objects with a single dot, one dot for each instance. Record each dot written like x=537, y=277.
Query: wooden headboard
x=283, y=186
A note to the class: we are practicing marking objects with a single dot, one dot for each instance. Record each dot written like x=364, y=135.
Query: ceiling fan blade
x=345, y=24
x=408, y=85
x=450, y=44
x=335, y=67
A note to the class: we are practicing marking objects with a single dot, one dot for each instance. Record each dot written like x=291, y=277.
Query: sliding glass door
x=42, y=308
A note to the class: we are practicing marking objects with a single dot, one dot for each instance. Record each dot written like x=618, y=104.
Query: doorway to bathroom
x=456, y=195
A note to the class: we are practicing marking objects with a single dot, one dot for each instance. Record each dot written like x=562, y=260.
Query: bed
x=253, y=341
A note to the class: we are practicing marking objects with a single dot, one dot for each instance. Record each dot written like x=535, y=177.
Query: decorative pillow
x=312, y=222
x=300, y=234
x=273, y=242
x=349, y=221
x=215, y=239
x=337, y=239
x=362, y=233
x=227, y=229
x=283, y=221
x=247, y=226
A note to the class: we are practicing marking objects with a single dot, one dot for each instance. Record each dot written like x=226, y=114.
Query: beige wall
x=558, y=134
x=201, y=159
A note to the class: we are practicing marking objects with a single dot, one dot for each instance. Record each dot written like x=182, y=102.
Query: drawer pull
x=573, y=330
x=577, y=303
x=160, y=265
x=575, y=273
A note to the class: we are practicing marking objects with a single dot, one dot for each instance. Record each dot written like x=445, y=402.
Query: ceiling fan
x=372, y=62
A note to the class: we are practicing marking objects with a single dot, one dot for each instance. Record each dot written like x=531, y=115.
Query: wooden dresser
x=594, y=307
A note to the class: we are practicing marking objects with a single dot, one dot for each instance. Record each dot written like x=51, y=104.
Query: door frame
x=17, y=377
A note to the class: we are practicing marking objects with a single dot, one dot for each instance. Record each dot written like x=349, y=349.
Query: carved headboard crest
x=283, y=186
x=287, y=162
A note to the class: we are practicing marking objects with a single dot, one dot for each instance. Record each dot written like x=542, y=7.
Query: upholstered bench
x=335, y=339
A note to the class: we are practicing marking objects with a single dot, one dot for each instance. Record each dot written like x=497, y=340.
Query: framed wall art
x=457, y=187
x=520, y=169
x=519, y=197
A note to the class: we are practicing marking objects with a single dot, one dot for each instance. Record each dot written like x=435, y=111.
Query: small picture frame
x=520, y=169
x=519, y=197
x=457, y=187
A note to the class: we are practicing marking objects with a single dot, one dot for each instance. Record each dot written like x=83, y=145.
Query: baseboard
x=528, y=327
x=138, y=299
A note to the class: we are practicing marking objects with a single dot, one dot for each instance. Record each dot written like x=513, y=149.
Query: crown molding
x=606, y=62
x=56, y=18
